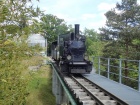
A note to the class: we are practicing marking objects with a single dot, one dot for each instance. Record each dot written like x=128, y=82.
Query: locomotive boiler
x=69, y=51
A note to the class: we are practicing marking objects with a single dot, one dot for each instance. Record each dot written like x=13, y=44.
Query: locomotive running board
x=78, y=63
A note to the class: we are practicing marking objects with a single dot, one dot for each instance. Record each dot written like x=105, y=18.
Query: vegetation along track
x=88, y=93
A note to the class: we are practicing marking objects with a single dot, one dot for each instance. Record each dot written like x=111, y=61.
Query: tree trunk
x=125, y=62
x=45, y=42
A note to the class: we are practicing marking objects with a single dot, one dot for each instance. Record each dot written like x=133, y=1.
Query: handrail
x=106, y=65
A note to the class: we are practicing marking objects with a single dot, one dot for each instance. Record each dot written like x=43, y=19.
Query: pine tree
x=122, y=30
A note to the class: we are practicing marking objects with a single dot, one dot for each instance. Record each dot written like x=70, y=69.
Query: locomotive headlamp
x=86, y=57
x=69, y=57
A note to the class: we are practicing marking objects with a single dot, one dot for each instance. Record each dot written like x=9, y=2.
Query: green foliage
x=51, y=26
x=93, y=43
x=14, y=29
x=122, y=36
x=136, y=42
x=13, y=86
x=40, y=87
x=122, y=29
x=109, y=50
x=36, y=48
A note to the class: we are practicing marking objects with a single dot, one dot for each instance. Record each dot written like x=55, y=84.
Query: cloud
x=119, y=0
x=87, y=13
x=138, y=1
x=88, y=16
x=66, y=17
x=105, y=6
x=64, y=6
x=98, y=23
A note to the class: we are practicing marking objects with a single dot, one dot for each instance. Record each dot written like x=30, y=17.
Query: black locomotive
x=69, y=51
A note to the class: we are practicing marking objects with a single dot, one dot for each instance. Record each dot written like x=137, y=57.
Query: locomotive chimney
x=76, y=29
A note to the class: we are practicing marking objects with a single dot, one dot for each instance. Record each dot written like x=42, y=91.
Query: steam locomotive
x=69, y=51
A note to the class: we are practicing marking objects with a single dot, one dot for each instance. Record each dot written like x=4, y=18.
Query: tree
x=51, y=26
x=123, y=28
x=93, y=43
x=15, y=18
x=122, y=32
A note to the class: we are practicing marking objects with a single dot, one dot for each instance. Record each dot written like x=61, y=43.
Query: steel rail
x=121, y=102
x=89, y=93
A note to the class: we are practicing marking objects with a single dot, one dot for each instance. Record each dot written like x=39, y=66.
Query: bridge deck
x=126, y=93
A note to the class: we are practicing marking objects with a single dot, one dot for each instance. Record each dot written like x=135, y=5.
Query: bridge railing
x=124, y=71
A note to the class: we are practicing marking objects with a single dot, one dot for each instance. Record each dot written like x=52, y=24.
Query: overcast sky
x=87, y=13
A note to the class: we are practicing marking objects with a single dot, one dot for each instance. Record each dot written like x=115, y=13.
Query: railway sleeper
x=80, y=80
x=109, y=102
x=86, y=84
x=81, y=94
x=104, y=97
x=93, y=90
x=82, y=98
x=67, y=78
x=98, y=94
x=69, y=81
x=75, y=87
x=88, y=102
x=72, y=84
x=101, y=96
x=77, y=90
x=91, y=87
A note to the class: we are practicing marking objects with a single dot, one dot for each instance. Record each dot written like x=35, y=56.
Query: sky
x=87, y=13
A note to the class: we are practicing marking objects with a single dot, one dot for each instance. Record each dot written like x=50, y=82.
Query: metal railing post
x=139, y=77
x=120, y=70
x=99, y=65
x=108, y=68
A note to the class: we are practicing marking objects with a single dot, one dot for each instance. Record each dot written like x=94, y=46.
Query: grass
x=40, y=84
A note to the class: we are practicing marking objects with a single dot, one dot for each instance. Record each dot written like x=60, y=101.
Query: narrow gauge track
x=88, y=93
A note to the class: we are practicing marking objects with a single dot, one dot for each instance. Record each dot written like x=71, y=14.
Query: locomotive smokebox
x=76, y=29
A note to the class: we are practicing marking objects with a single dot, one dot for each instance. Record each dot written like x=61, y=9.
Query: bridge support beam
x=58, y=90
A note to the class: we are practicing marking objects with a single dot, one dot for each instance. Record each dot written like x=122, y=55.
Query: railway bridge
x=111, y=82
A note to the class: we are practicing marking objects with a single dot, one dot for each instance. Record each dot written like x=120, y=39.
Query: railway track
x=88, y=93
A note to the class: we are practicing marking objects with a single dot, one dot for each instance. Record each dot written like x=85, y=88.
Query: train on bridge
x=69, y=52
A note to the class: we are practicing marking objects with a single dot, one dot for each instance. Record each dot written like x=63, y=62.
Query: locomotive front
x=75, y=51
x=74, y=59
